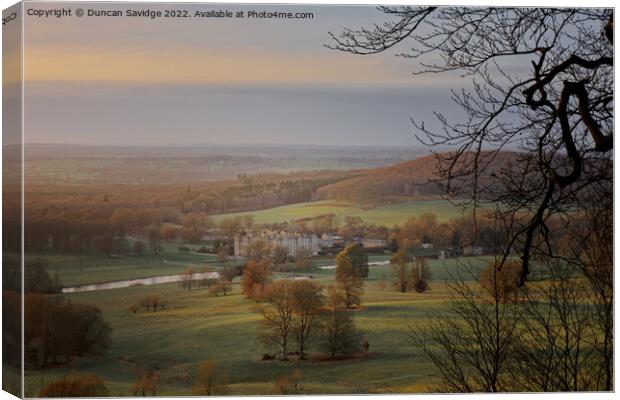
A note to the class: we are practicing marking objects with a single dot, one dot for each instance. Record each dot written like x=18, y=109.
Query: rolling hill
x=410, y=179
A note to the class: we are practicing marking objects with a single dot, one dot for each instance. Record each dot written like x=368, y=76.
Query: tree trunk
x=301, y=347
x=284, y=344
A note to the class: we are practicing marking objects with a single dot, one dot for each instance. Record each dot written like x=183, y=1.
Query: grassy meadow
x=195, y=327
x=388, y=215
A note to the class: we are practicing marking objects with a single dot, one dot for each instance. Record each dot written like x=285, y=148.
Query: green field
x=196, y=327
x=388, y=215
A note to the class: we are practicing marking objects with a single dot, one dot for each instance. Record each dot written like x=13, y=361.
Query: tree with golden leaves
x=76, y=385
x=209, y=380
x=256, y=276
x=349, y=284
x=501, y=282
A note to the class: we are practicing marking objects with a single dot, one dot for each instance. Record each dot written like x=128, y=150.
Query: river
x=155, y=280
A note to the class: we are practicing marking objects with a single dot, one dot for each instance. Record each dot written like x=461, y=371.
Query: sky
x=193, y=81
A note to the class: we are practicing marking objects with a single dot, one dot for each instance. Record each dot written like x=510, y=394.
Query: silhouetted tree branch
x=541, y=83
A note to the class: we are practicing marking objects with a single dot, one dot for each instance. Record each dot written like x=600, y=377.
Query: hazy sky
x=199, y=81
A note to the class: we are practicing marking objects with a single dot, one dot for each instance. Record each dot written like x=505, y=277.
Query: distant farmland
x=387, y=215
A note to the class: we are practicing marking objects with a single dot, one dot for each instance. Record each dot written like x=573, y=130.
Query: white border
x=501, y=3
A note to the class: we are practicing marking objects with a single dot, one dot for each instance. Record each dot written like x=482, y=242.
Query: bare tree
x=541, y=81
x=553, y=351
x=598, y=269
x=587, y=247
x=471, y=344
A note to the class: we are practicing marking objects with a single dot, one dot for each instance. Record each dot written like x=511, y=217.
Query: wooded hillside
x=419, y=177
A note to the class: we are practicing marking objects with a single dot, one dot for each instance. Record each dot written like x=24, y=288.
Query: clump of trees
x=216, y=286
x=295, y=311
x=340, y=335
x=399, y=264
x=292, y=314
x=57, y=330
x=76, y=385
x=409, y=274
x=37, y=278
x=188, y=279
x=150, y=302
x=204, y=280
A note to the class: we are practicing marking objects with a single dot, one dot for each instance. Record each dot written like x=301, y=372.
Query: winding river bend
x=157, y=280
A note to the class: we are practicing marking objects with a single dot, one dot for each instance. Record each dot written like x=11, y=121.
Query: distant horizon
x=247, y=144
x=108, y=81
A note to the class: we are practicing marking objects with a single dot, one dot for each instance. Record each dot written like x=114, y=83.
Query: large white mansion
x=292, y=242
